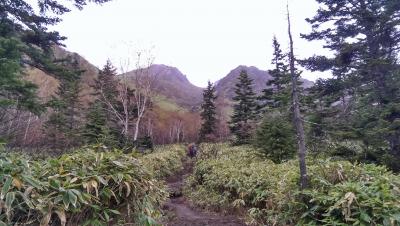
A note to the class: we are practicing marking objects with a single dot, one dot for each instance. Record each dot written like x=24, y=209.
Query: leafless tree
x=143, y=81
x=135, y=91
x=296, y=111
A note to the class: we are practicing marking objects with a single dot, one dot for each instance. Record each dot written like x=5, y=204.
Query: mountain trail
x=184, y=213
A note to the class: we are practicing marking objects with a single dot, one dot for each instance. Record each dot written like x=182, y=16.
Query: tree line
x=354, y=115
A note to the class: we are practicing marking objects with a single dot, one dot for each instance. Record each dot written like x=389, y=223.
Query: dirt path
x=181, y=209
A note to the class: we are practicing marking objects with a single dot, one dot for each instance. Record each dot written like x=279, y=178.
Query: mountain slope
x=48, y=85
x=174, y=85
x=225, y=87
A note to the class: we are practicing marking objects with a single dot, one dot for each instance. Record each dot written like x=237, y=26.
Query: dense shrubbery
x=87, y=187
x=165, y=160
x=275, y=137
x=341, y=193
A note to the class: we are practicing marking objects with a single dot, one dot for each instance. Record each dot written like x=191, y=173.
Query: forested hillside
x=139, y=144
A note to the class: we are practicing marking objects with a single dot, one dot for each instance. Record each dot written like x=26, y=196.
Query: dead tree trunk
x=296, y=111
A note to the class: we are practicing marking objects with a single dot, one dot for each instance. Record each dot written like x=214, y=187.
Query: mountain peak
x=225, y=86
x=245, y=67
x=170, y=73
x=173, y=84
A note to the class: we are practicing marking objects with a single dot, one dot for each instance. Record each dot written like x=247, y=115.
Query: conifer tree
x=15, y=92
x=208, y=114
x=64, y=125
x=106, y=103
x=96, y=127
x=275, y=135
x=25, y=41
x=277, y=94
x=363, y=37
x=242, y=120
x=106, y=85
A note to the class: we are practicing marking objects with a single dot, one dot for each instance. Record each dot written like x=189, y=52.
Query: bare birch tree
x=143, y=81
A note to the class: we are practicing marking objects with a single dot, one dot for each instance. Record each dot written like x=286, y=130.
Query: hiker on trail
x=192, y=150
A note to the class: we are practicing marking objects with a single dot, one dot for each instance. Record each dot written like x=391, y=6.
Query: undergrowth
x=340, y=193
x=91, y=186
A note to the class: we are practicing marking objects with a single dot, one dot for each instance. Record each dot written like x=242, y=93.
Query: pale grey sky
x=205, y=39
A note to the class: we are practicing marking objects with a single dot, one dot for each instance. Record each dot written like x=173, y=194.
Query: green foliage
x=165, y=160
x=277, y=95
x=63, y=127
x=26, y=42
x=275, y=137
x=241, y=123
x=96, y=129
x=361, y=100
x=346, y=194
x=275, y=134
x=208, y=113
x=102, y=121
x=145, y=143
x=87, y=187
x=15, y=92
x=340, y=193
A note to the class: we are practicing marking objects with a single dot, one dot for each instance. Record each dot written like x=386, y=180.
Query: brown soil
x=182, y=210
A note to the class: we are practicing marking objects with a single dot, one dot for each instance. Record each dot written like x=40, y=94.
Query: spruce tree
x=25, y=42
x=96, y=127
x=277, y=94
x=15, y=92
x=275, y=138
x=242, y=120
x=275, y=134
x=208, y=114
x=106, y=85
x=64, y=124
x=106, y=93
x=363, y=38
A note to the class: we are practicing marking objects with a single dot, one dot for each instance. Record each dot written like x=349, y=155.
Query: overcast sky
x=205, y=39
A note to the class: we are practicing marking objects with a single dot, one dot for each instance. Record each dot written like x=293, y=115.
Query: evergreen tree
x=277, y=94
x=106, y=93
x=26, y=42
x=64, y=124
x=106, y=85
x=15, y=92
x=208, y=114
x=275, y=137
x=363, y=37
x=241, y=124
x=96, y=128
x=28, y=27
